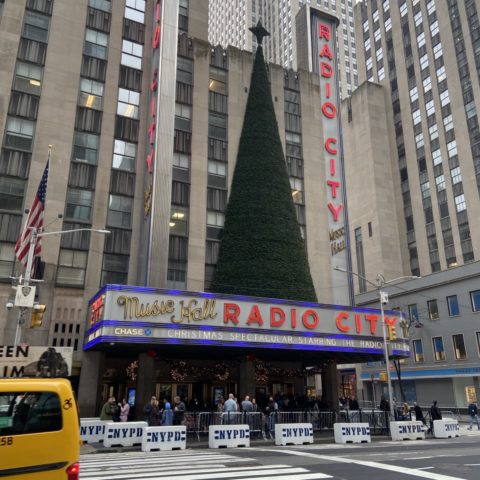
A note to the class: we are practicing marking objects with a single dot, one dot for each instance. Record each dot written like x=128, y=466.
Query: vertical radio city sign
x=324, y=63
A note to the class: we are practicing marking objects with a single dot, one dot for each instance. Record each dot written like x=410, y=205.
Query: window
x=459, y=347
x=444, y=98
x=430, y=108
x=104, y=5
x=421, y=40
x=91, y=94
x=434, y=28
x=124, y=156
x=128, y=102
x=440, y=182
x=297, y=189
x=416, y=116
x=79, y=205
x=179, y=221
x=71, y=268
x=28, y=78
x=115, y=269
x=413, y=312
x=403, y=9
x=436, y=157
x=96, y=44
x=448, y=122
x=7, y=259
x=425, y=187
x=418, y=18
x=132, y=54
x=477, y=334
x=433, y=131
x=85, y=148
x=419, y=142
x=135, y=10
x=30, y=412
x=475, y=299
x=453, y=307
x=427, y=84
x=413, y=94
x=438, y=350
x=11, y=193
x=460, y=203
x=418, y=351
x=119, y=212
x=180, y=160
x=433, y=310
x=388, y=24
x=217, y=168
x=36, y=27
x=437, y=50
x=19, y=134
x=441, y=74
x=424, y=62
x=215, y=219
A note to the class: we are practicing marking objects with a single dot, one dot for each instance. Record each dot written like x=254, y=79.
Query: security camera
x=384, y=297
x=9, y=305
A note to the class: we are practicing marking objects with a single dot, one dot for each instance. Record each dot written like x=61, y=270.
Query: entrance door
x=171, y=390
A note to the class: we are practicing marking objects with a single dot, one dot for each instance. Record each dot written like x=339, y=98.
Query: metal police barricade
x=232, y=418
x=125, y=434
x=293, y=433
x=446, y=428
x=293, y=417
x=407, y=430
x=92, y=430
x=352, y=433
x=228, y=436
x=321, y=420
x=377, y=419
x=205, y=419
x=164, y=438
x=255, y=422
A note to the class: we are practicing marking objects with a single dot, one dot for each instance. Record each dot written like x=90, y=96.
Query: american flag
x=34, y=220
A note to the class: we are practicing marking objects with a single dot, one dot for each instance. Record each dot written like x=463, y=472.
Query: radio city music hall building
x=145, y=140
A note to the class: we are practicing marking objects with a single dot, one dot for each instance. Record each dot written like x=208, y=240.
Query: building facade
x=412, y=162
x=230, y=20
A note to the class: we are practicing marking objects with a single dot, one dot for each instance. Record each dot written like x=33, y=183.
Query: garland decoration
x=132, y=371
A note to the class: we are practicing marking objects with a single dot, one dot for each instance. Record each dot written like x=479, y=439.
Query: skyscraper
x=229, y=21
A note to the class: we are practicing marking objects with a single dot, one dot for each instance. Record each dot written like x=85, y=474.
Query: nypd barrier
x=352, y=433
x=164, y=438
x=125, y=434
x=293, y=433
x=92, y=430
x=229, y=436
x=446, y=428
x=407, y=430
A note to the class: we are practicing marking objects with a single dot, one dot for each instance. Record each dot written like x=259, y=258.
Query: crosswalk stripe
x=268, y=471
x=306, y=476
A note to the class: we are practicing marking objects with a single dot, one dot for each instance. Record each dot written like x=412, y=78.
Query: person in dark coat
x=473, y=414
x=435, y=414
x=418, y=413
x=178, y=411
x=152, y=413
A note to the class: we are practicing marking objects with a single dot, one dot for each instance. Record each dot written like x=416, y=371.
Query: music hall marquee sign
x=125, y=314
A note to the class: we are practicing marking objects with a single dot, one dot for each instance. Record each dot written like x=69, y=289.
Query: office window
x=444, y=98
x=7, y=258
x=433, y=310
x=413, y=94
x=452, y=148
x=36, y=27
x=456, y=175
x=217, y=168
x=403, y=9
x=135, y=10
x=132, y=54
x=28, y=78
x=438, y=350
x=475, y=299
x=453, y=307
x=418, y=356
x=19, y=134
x=460, y=204
x=115, y=269
x=124, y=155
x=103, y=5
x=128, y=103
x=440, y=181
x=79, y=205
x=477, y=334
x=96, y=44
x=91, y=94
x=215, y=219
x=437, y=157
x=459, y=347
x=72, y=265
x=178, y=221
x=448, y=123
x=11, y=193
x=85, y=148
x=180, y=160
x=119, y=211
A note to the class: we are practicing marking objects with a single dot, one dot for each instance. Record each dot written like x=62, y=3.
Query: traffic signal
x=392, y=333
x=38, y=312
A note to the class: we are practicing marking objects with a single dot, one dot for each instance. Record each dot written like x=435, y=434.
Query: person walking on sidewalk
x=473, y=414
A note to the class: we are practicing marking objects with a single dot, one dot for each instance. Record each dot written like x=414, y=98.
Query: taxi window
x=29, y=412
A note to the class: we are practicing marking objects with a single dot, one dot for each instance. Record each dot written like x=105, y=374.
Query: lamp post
x=383, y=297
x=35, y=234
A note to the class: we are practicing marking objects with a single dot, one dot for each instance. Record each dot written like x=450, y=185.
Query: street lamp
x=383, y=297
x=35, y=234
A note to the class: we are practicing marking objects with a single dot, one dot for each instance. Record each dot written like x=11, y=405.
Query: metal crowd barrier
x=377, y=419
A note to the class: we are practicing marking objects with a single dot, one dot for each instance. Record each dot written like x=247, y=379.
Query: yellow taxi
x=39, y=430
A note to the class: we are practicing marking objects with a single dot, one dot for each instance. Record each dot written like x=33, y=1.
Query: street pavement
x=383, y=459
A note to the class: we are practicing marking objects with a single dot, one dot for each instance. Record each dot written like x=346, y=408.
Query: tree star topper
x=259, y=31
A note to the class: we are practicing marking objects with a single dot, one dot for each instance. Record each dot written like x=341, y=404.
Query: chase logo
x=147, y=332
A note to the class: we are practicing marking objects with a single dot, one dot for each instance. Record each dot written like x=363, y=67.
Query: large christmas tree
x=262, y=252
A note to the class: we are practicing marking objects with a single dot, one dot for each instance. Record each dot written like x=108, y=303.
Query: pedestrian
x=124, y=410
x=108, y=410
x=152, y=413
x=178, y=411
x=405, y=412
x=272, y=412
x=435, y=414
x=230, y=405
x=247, y=405
x=254, y=405
x=167, y=415
x=418, y=413
x=353, y=403
x=473, y=414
